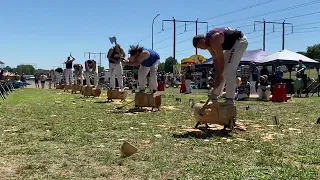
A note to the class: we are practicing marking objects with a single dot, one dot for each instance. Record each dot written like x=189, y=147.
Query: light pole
x=152, y=29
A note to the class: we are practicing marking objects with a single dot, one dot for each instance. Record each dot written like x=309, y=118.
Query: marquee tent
x=248, y=57
x=286, y=57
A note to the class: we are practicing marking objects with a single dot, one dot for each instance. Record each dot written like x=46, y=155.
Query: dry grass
x=50, y=135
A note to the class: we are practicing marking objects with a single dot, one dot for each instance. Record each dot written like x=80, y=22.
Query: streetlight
x=152, y=29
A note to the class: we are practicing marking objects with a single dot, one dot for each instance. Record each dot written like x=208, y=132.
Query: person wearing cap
x=254, y=75
x=264, y=87
x=243, y=89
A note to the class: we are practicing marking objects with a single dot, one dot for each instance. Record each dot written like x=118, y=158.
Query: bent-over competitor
x=91, y=68
x=78, y=75
x=234, y=44
x=148, y=60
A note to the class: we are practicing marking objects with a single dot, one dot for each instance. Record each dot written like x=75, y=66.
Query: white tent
x=286, y=57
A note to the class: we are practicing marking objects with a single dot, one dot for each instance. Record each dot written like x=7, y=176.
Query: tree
x=8, y=68
x=313, y=52
x=302, y=53
x=161, y=67
x=24, y=69
x=168, y=64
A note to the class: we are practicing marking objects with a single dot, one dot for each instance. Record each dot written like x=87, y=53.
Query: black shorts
x=42, y=82
x=36, y=81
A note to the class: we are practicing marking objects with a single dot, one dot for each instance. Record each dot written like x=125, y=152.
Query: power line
x=278, y=11
x=269, y=13
x=219, y=15
x=301, y=15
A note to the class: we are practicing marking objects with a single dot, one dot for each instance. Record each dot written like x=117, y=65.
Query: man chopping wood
x=226, y=46
x=91, y=69
x=148, y=60
x=78, y=68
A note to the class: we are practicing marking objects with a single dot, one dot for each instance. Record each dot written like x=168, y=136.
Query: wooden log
x=148, y=100
x=117, y=94
x=67, y=87
x=59, y=86
x=96, y=92
x=87, y=91
x=76, y=88
x=215, y=113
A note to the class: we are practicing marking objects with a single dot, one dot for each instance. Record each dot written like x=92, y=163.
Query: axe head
x=113, y=40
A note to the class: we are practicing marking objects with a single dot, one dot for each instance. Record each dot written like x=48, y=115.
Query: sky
x=43, y=33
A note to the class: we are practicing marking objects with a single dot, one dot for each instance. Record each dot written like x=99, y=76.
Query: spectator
x=278, y=75
x=1, y=74
x=188, y=77
x=264, y=88
x=43, y=79
x=36, y=80
x=254, y=74
x=300, y=69
x=297, y=85
x=244, y=89
x=264, y=71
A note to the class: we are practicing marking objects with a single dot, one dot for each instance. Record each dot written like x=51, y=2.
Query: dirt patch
x=270, y=136
x=169, y=107
x=8, y=169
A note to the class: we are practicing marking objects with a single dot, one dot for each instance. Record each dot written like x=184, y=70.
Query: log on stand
x=67, y=87
x=116, y=94
x=152, y=100
x=76, y=88
x=224, y=115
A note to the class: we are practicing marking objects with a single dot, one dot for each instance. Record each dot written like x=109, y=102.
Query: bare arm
x=94, y=66
x=123, y=55
x=215, y=45
x=86, y=66
x=143, y=56
x=109, y=55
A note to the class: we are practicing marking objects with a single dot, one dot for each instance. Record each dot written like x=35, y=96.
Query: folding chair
x=8, y=89
x=2, y=91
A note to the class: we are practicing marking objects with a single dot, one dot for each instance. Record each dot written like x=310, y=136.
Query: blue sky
x=43, y=32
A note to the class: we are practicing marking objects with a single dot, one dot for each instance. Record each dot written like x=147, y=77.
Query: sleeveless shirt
x=69, y=65
x=230, y=36
x=154, y=56
x=115, y=52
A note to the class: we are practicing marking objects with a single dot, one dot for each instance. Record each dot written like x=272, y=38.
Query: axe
x=113, y=40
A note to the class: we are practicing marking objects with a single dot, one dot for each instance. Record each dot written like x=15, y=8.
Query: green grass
x=312, y=73
x=51, y=135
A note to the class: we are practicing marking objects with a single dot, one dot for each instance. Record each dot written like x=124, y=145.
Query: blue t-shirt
x=154, y=56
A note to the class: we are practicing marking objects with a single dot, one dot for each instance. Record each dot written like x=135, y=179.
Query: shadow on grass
x=119, y=110
x=103, y=102
x=204, y=133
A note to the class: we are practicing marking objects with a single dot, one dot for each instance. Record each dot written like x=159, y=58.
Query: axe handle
x=203, y=107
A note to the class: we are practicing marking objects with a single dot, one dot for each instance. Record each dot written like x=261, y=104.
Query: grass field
x=48, y=134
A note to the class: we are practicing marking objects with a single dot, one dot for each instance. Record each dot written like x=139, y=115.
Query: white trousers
x=264, y=95
x=58, y=77
x=76, y=77
x=232, y=59
x=253, y=87
x=68, y=76
x=116, y=70
x=188, y=85
x=242, y=96
x=142, y=76
x=95, y=78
